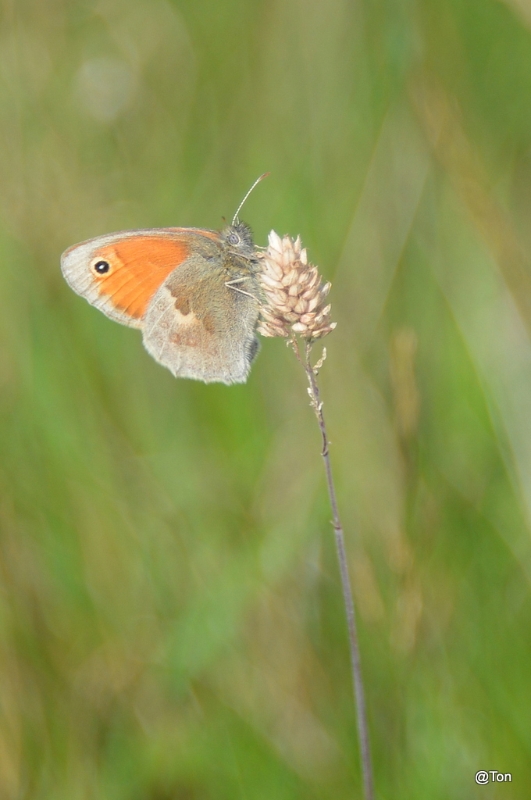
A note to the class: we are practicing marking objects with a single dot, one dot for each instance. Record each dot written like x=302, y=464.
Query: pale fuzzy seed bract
x=294, y=293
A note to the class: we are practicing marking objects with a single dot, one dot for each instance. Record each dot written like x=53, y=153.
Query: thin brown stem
x=359, y=693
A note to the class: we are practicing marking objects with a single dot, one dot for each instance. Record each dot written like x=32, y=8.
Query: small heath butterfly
x=194, y=293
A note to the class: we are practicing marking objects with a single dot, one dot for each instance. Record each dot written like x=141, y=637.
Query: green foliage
x=171, y=625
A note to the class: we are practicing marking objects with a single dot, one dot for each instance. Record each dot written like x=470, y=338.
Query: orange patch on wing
x=139, y=265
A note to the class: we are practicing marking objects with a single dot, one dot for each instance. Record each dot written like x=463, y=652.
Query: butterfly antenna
x=257, y=181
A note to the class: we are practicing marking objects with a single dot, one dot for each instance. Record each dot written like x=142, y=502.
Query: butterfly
x=194, y=293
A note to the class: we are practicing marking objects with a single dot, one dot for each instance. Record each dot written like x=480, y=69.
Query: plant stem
x=355, y=661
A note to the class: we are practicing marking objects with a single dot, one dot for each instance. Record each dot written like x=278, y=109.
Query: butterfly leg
x=232, y=285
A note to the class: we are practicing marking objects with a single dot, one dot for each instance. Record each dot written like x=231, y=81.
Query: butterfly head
x=238, y=238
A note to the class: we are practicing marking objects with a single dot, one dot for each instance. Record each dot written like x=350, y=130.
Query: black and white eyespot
x=101, y=266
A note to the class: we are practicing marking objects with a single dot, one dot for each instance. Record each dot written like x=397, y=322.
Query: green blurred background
x=171, y=625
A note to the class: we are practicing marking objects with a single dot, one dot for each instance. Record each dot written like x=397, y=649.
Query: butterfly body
x=193, y=292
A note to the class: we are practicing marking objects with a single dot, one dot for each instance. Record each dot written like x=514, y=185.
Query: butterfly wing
x=121, y=272
x=173, y=284
x=199, y=327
